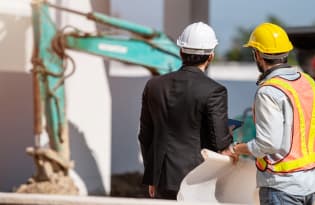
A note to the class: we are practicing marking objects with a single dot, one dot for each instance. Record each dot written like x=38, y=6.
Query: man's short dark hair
x=192, y=59
x=276, y=61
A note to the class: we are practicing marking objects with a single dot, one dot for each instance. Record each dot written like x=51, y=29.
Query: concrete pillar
x=89, y=113
x=101, y=6
x=179, y=13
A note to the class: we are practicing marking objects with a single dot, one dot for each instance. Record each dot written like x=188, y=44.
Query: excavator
x=122, y=41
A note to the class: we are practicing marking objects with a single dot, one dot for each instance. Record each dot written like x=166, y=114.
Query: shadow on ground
x=128, y=185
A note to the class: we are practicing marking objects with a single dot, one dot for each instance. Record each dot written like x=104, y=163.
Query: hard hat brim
x=197, y=51
x=266, y=50
x=246, y=45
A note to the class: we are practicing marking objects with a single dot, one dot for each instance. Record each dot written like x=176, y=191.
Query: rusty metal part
x=48, y=162
x=65, y=9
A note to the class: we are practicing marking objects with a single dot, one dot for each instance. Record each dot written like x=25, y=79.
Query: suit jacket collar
x=194, y=69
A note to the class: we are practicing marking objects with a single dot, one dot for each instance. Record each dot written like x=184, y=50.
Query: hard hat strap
x=274, y=57
x=197, y=51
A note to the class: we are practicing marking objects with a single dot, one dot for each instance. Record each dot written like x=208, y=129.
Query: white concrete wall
x=89, y=106
x=240, y=81
x=15, y=28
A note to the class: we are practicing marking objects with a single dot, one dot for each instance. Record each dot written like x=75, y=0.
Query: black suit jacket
x=182, y=112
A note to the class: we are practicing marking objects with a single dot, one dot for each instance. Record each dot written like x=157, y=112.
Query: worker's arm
x=219, y=136
x=269, y=111
x=241, y=149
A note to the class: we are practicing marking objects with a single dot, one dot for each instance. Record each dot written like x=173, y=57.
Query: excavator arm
x=142, y=46
x=133, y=51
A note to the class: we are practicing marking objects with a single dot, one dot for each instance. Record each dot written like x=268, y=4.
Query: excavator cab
x=303, y=41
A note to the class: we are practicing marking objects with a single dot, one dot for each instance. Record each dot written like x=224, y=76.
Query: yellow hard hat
x=269, y=38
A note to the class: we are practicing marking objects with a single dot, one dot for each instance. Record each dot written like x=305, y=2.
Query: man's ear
x=211, y=57
x=257, y=55
x=181, y=53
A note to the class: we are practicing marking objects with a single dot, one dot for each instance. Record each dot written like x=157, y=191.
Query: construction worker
x=183, y=112
x=284, y=115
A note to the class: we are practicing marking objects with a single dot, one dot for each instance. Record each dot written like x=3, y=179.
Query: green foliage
x=238, y=53
x=292, y=58
x=275, y=20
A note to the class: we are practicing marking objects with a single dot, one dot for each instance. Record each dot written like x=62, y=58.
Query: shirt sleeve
x=269, y=120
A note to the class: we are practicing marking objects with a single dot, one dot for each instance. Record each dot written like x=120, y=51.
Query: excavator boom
x=142, y=46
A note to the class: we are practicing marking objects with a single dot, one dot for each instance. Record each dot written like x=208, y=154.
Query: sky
x=225, y=15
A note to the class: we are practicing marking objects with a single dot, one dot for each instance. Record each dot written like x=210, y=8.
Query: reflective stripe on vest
x=302, y=153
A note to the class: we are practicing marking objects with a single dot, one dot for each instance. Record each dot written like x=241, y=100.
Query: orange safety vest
x=301, y=93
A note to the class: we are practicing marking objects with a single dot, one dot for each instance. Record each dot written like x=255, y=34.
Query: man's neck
x=269, y=70
x=203, y=67
x=268, y=67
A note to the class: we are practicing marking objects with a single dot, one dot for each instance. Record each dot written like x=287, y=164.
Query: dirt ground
x=123, y=185
x=60, y=185
x=128, y=185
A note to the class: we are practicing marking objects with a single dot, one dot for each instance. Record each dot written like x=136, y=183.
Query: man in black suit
x=183, y=112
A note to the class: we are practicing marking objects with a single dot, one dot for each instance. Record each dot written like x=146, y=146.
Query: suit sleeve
x=219, y=136
x=146, y=130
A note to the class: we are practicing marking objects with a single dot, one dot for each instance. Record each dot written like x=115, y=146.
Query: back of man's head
x=193, y=60
x=197, y=43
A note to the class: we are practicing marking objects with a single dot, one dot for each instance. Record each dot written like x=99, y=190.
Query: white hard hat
x=197, y=38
